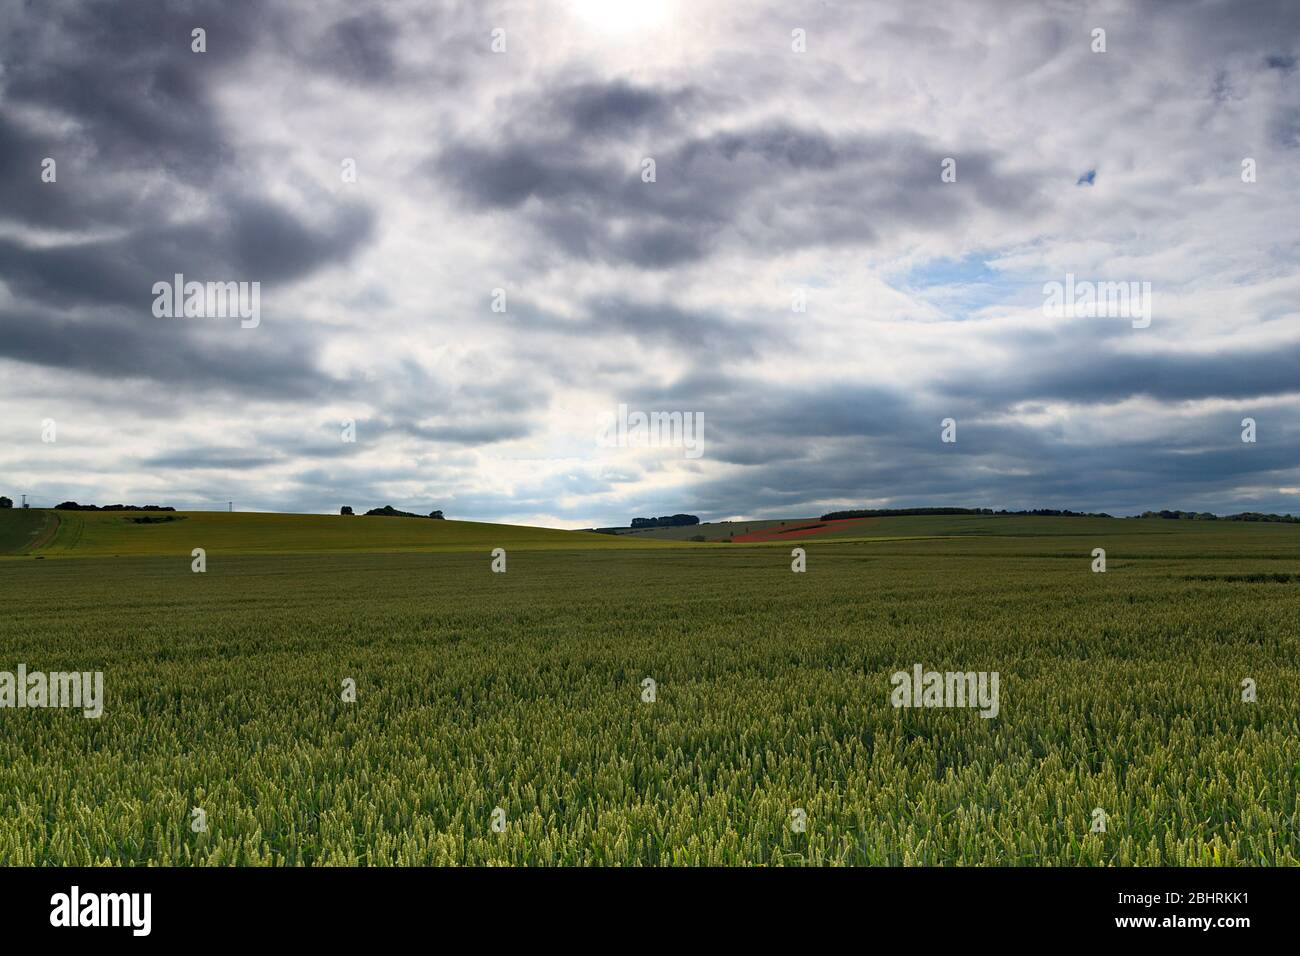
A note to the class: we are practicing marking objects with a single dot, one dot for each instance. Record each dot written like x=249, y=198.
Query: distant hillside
x=904, y=512
x=808, y=530
x=1208, y=516
x=90, y=533
x=1057, y=513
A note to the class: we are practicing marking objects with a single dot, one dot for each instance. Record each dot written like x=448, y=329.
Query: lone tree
x=6, y=502
x=345, y=510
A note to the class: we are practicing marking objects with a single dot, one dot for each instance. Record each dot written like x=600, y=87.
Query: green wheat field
x=523, y=691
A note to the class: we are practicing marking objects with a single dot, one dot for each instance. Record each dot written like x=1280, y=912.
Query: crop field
x=518, y=698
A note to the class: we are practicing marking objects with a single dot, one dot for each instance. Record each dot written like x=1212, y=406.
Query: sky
x=468, y=271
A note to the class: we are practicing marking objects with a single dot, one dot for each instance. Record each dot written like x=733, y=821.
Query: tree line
x=389, y=511
x=669, y=521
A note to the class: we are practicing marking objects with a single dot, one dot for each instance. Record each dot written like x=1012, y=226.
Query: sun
x=622, y=16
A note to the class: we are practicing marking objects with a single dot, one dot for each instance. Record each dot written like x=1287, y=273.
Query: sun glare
x=622, y=16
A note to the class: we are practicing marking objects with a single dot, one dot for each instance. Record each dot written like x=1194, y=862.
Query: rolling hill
x=47, y=533
x=50, y=533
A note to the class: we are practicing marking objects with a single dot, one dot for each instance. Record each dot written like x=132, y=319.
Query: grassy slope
x=21, y=528
x=89, y=534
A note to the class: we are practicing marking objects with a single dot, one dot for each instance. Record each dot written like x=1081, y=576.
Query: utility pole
x=232, y=506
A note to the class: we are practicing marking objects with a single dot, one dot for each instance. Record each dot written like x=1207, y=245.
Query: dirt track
x=807, y=530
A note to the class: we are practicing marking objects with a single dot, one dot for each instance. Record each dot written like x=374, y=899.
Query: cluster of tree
x=1207, y=516
x=1058, y=513
x=73, y=506
x=897, y=512
x=671, y=521
x=6, y=502
x=391, y=512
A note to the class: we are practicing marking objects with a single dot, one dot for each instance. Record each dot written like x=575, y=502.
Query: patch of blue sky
x=963, y=288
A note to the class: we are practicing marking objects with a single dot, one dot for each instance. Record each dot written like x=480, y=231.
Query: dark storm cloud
x=126, y=106
x=76, y=201
x=505, y=177
x=248, y=239
x=272, y=243
x=771, y=187
x=127, y=74
x=1084, y=369
x=179, y=353
x=131, y=122
x=1222, y=27
x=360, y=48
x=597, y=108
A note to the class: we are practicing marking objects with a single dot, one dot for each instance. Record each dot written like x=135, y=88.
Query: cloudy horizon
x=819, y=230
